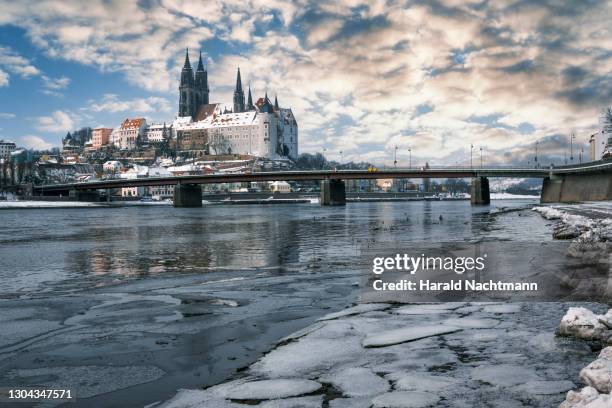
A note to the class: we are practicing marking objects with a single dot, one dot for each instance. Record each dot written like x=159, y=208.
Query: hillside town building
x=100, y=137
x=157, y=133
x=6, y=148
x=130, y=133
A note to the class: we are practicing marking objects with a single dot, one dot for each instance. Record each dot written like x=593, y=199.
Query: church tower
x=201, y=86
x=250, y=106
x=238, y=95
x=186, y=89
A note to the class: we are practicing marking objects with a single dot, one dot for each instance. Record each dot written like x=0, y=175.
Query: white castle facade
x=261, y=129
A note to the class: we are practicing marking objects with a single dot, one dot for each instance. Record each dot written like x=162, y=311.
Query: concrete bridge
x=584, y=182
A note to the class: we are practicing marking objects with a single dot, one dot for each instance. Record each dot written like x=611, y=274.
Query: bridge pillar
x=84, y=195
x=333, y=192
x=551, y=189
x=479, y=191
x=188, y=195
x=577, y=187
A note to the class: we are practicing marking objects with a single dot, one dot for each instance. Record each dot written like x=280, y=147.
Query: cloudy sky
x=361, y=77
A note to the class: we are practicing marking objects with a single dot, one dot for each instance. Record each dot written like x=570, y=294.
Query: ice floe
x=356, y=382
x=405, y=399
x=504, y=375
x=390, y=337
x=362, y=308
x=422, y=382
x=376, y=356
x=271, y=389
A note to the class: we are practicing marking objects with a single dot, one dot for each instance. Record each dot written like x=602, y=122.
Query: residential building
x=112, y=166
x=148, y=191
x=100, y=137
x=280, y=187
x=6, y=148
x=157, y=133
x=131, y=132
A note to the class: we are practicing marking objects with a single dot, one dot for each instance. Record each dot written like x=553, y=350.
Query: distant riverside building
x=112, y=166
x=100, y=137
x=6, y=148
x=605, y=140
x=261, y=129
x=280, y=187
x=146, y=191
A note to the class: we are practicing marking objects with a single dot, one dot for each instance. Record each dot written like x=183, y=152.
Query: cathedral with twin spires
x=193, y=90
x=261, y=129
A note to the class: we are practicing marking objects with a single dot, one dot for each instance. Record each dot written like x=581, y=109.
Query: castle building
x=261, y=129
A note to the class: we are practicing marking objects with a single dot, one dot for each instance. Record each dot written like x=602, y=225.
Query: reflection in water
x=71, y=249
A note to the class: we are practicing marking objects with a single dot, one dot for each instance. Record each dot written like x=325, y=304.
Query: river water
x=127, y=305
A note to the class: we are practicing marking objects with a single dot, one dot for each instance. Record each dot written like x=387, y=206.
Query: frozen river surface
x=127, y=305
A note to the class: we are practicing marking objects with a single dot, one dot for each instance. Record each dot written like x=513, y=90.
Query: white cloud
x=7, y=115
x=35, y=142
x=55, y=84
x=15, y=63
x=58, y=121
x=111, y=103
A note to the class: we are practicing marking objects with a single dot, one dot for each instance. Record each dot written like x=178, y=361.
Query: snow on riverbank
x=508, y=196
x=583, y=324
x=25, y=204
x=574, y=222
x=590, y=227
x=464, y=355
x=46, y=204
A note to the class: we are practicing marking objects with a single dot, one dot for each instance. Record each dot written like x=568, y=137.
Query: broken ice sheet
x=396, y=336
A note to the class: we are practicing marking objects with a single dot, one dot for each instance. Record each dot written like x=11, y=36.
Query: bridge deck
x=442, y=172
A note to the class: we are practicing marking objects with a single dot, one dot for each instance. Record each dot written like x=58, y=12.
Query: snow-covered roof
x=158, y=172
x=232, y=119
x=157, y=126
x=182, y=120
x=112, y=163
x=185, y=167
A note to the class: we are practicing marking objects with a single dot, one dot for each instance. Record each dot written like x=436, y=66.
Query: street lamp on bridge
x=409, y=158
x=471, y=155
x=536, y=153
x=481, y=157
x=395, y=157
x=572, y=137
x=324, y=159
